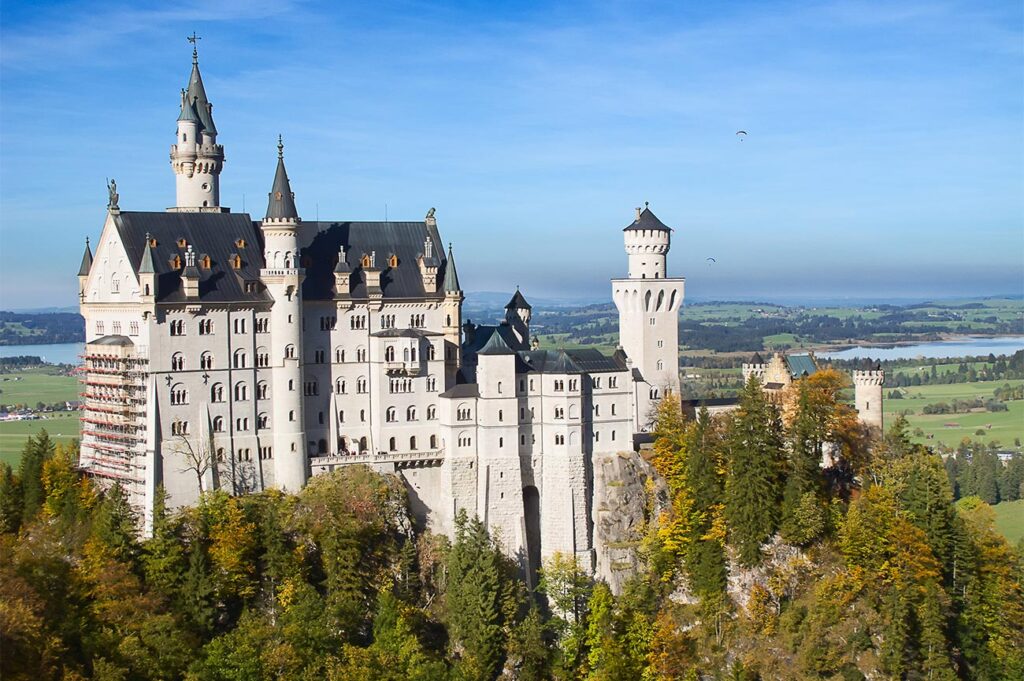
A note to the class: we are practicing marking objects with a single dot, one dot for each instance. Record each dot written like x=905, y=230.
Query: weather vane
x=193, y=39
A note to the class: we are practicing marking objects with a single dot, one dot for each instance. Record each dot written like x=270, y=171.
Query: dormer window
x=176, y=262
x=205, y=262
x=182, y=243
x=366, y=261
x=236, y=262
x=240, y=243
x=393, y=260
x=152, y=242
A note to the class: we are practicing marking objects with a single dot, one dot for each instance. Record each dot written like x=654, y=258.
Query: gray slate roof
x=111, y=340
x=463, y=390
x=648, y=220
x=495, y=345
x=403, y=239
x=586, y=360
x=214, y=234
x=281, y=203
x=196, y=94
x=83, y=269
x=406, y=333
x=801, y=365
x=518, y=302
x=451, y=277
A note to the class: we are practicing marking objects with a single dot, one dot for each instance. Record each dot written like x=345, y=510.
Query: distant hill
x=26, y=328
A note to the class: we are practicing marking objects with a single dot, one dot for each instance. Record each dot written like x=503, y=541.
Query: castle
x=240, y=354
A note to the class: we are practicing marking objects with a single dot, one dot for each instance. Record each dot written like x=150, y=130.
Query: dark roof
x=215, y=234
x=868, y=364
x=281, y=203
x=83, y=269
x=451, y=277
x=647, y=220
x=482, y=334
x=757, y=359
x=147, y=266
x=592, y=360
x=463, y=390
x=403, y=239
x=518, y=302
x=711, y=402
x=188, y=110
x=197, y=96
x=773, y=386
x=111, y=340
x=406, y=333
x=495, y=345
x=801, y=365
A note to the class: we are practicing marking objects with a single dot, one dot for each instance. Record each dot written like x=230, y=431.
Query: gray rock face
x=624, y=502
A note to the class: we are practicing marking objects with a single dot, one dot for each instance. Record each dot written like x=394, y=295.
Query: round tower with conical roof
x=283, y=276
x=196, y=158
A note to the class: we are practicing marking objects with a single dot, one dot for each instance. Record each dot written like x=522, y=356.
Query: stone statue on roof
x=113, y=196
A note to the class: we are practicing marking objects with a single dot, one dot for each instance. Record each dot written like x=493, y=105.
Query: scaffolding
x=114, y=381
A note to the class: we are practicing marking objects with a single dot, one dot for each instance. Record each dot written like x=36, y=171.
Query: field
x=38, y=384
x=1003, y=427
x=1010, y=520
x=62, y=427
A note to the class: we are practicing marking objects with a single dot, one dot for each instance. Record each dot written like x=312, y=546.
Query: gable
x=112, y=277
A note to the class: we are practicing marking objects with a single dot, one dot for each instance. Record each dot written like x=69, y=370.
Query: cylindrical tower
x=283, y=279
x=196, y=158
x=867, y=388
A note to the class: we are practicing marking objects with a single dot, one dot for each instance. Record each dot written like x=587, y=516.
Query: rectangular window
x=116, y=328
x=99, y=328
x=133, y=328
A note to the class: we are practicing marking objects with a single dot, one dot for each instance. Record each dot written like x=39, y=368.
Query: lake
x=967, y=346
x=59, y=353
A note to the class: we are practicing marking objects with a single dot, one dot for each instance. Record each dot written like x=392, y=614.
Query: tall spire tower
x=196, y=158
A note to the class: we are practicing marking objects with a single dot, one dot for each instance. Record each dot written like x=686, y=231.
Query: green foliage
x=756, y=473
x=36, y=452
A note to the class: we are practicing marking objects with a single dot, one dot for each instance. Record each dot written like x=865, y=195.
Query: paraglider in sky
x=741, y=134
x=710, y=261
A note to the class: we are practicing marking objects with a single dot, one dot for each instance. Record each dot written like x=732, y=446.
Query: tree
x=756, y=469
x=10, y=500
x=705, y=472
x=30, y=473
x=806, y=435
x=472, y=600
x=197, y=458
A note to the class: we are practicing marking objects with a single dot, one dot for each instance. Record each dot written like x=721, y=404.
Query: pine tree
x=705, y=556
x=806, y=444
x=473, y=599
x=30, y=472
x=10, y=500
x=756, y=467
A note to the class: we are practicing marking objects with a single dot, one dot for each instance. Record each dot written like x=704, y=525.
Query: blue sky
x=885, y=154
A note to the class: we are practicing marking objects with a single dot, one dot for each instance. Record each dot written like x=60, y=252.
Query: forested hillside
x=759, y=564
x=22, y=328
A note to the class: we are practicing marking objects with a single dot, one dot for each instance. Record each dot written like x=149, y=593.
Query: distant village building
x=228, y=352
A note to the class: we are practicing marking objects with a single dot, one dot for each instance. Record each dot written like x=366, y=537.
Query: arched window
x=177, y=362
x=361, y=384
x=262, y=357
x=410, y=414
x=389, y=353
x=431, y=412
x=391, y=415
x=412, y=443
x=289, y=352
x=362, y=444
x=241, y=392
x=179, y=395
x=431, y=352
x=339, y=386
x=339, y=355
x=217, y=392
x=262, y=421
x=405, y=354
x=433, y=442
x=206, y=360
x=218, y=424
x=240, y=359
x=262, y=390
x=392, y=445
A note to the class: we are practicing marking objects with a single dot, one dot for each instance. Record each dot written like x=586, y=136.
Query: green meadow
x=38, y=384
x=62, y=426
x=1010, y=520
x=949, y=429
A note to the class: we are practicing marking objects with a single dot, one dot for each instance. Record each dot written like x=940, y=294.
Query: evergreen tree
x=1011, y=480
x=986, y=468
x=10, y=500
x=705, y=556
x=756, y=470
x=807, y=434
x=30, y=473
x=473, y=599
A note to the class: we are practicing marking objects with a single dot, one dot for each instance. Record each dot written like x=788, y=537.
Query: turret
x=517, y=316
x=283, y=278
x=451, y=307
x=196, y=158
x=755, y=367
x=83, y=269
x=190, y=275
x=867, y=394
x=429, y=264
x=147, y=273
x=647, y=242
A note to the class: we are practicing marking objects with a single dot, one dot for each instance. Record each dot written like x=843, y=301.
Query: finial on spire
x=86, y=242
x=195, y=53
x=280, y=147
x=647, y=204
